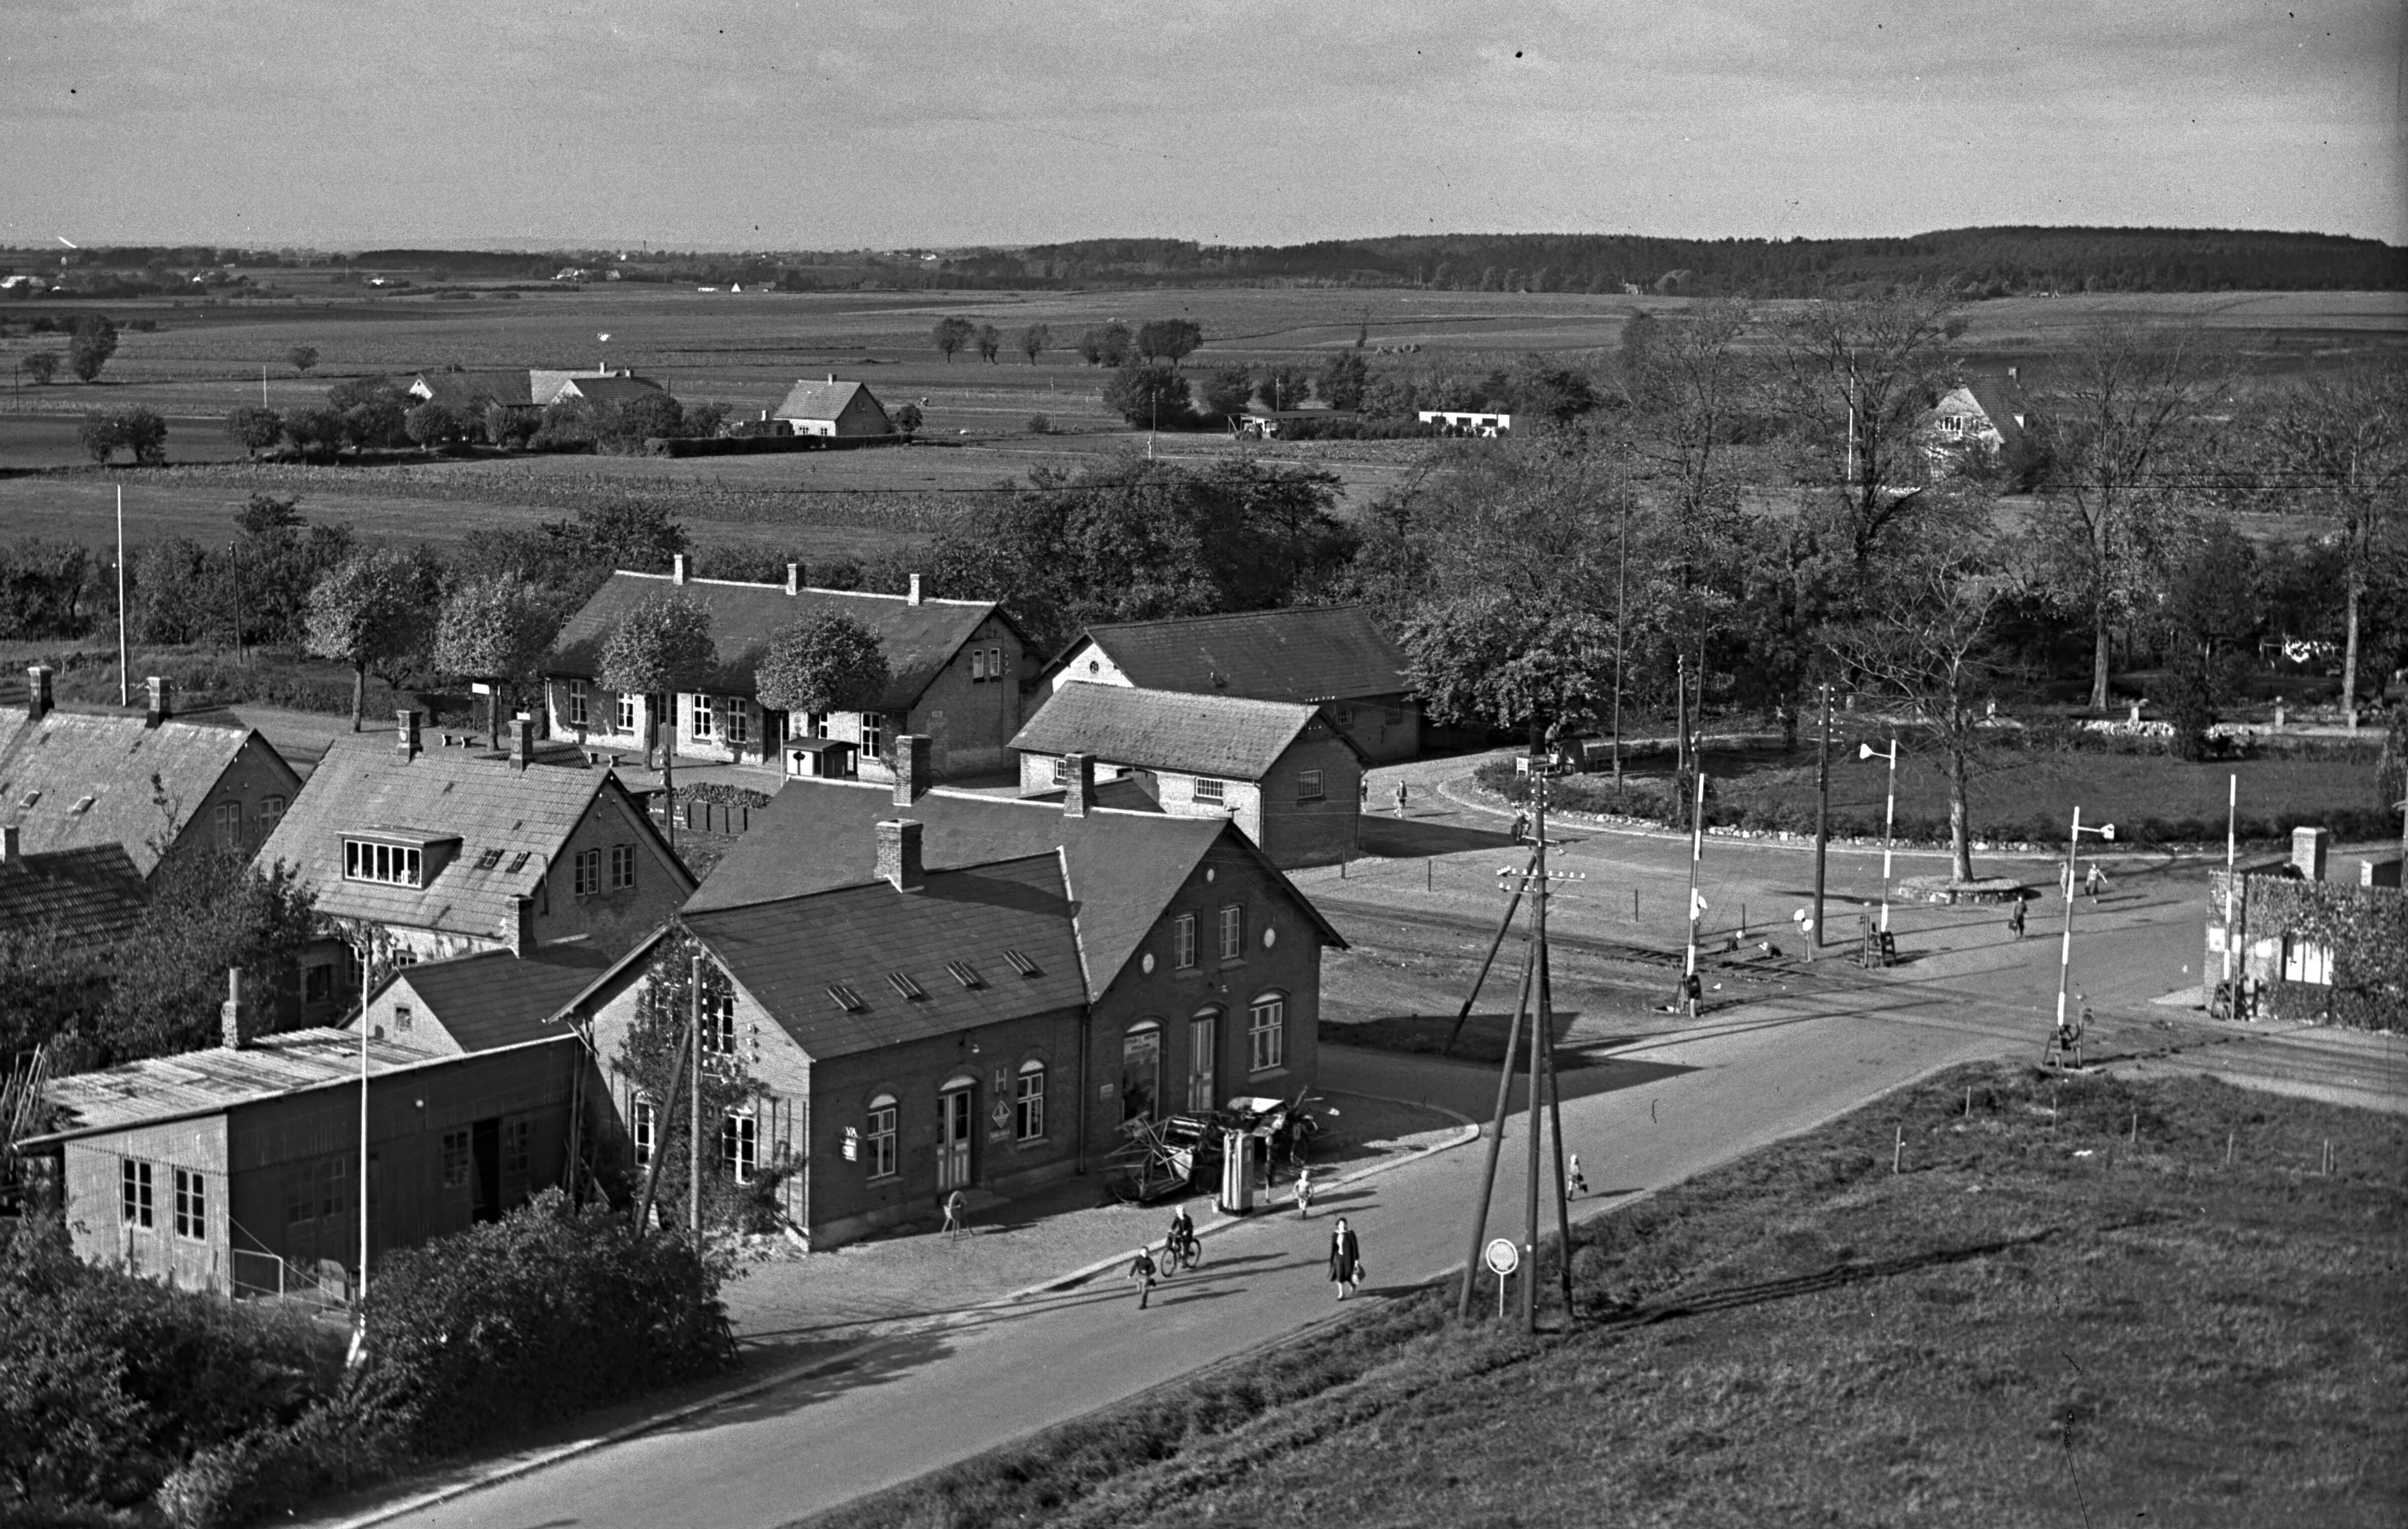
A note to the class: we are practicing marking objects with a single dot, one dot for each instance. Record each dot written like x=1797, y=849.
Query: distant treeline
x=1971, y=263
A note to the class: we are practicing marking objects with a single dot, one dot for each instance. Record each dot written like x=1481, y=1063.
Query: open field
x=2062, y=1311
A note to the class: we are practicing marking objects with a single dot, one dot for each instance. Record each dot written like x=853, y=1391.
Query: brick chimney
x=915, y=589
x=521, y=740
x=517, y=925
x=38, y=692
x=405, y=741
x=11, y=843
x=676, y=568
x=231, y=1015
x=2308, y=851
x=1078, y=793
x=911, y=762
x=899, y=853
x=162, y=694
x=794, y=579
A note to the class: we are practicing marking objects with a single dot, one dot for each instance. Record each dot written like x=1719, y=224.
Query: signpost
x=1502, y=1259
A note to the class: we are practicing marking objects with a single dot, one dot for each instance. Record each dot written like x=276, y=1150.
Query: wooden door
x=1203, y=1041
x=953, y=1118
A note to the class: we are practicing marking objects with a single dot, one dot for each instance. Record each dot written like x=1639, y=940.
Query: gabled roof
x=92, y=893
x=615, y=389
x=2004, y=403
x=786, y=953
x=1123, y=868
x=1168, y=730
x=462, y=389
x=78, y=778
x=495, y=997
x=1311, y=653
x=808, y=400
x=523, y=817
x=919, y=640
x=208, y=1083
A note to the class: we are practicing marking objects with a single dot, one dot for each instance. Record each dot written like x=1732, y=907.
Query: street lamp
x=2064, y=949
x=1889, y=816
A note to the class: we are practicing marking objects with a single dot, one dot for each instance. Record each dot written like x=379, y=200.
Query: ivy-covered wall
x=2366, y=929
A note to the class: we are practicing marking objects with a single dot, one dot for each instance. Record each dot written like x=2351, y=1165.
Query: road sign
x=1502, y=1255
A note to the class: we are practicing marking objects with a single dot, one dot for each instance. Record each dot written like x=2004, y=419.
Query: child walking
x=1142, y=1269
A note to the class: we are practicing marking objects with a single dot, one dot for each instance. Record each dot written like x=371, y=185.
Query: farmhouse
x=1488, y=423
x=147, y=781
x=1335, y=657
x=935, y=991
x=418, y=855
x=468, y=392
x=609, y=388
x=237, y=1169
x=842, y=409
x=2311, y=939
x=1278, y=769
x=1985, y=411
x=953, y=668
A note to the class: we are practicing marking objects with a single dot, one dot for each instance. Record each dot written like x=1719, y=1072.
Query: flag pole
x=124, y=664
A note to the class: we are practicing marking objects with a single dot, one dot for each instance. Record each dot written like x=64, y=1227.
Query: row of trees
x=90, y=345
x=377, y=413
x=1112, y=344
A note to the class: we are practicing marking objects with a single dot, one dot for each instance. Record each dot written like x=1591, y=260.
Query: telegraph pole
x=1621, y=601
x=693, y=1135
x=1822, y=814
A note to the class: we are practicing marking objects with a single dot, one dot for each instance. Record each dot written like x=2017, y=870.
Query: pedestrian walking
x=2094, y=882
x=1304, y=1194
x=1142, y=1269
x=1692, y=992
x=2015, y=919
x=1403, y=796
x=1521, y=827
x=1579, y=1179
x=1345, y=1259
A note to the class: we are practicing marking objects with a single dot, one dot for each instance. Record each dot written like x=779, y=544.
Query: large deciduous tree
x=661, y=646
x=2119, y=433
x=990, y=342
x=1167, y=339
x=1147, y=396
x=140, y=431
x=1858, y=376
x=92, y=343
x=1034, y=341
x=372, y=611
x=41, y=365
x=1491, y=658
x=821, y=664
x=1106, y=345
x=303, y=357
x=952, y=334
x=2337, y=446
x=253, y=428
x=494, y=628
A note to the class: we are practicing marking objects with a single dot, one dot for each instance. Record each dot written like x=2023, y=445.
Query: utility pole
x=1621, y=603
x=1822, y=814
x=1681, y=723
x=1697, y=849
x=694, y=1134
x=124, y=663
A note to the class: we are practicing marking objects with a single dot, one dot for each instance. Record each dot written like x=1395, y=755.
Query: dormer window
x=395, y=864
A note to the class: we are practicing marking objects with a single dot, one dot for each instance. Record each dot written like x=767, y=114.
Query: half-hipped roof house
x=842, y=409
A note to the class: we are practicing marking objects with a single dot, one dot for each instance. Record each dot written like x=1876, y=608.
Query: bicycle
x=1182, y=1251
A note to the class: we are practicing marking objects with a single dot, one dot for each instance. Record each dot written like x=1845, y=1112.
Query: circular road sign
x=1501, y=1256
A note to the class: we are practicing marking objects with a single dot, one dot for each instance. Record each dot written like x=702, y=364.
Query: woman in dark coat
x=1345, y=1259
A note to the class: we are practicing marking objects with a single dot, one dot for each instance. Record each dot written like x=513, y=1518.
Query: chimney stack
x=162, y=702
x=230, y=1013
x=1078, y=798
x=899, y=853
x=518, y=929
x=521, y=740
x=406, y=733
x=676, y=568
x=910, y=767
x=2308, y=851
x=11, y=843
x=915, y=589
x=38, y=692
x=794, y=579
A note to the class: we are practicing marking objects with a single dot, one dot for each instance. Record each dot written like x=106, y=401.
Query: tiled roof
x=77, y=779
x=464, y=389
x=786, y=954
x=205, y=1082
x=819, y=400
x=1314, y=653
x=1125, y=867
x=93, y=893
x=1166, y=730
x=919, y=640
x=523, y=817
x=609, y=390
x=497, y=998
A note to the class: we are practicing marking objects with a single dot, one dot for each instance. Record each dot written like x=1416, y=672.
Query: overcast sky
x=783, y=123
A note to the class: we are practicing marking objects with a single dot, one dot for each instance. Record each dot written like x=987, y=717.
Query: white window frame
x=701, y=716
x=739, y=1145
x=873, y=735
x=136, y=1205
x=1183, y=942
x=622, y=867
x=718, y=1022
x=586, y=872
x=1266, y=1032
x=643, y=1128
x=580, y=699
x=877, y=1142
x=2307, y=961
x=978, y=665
x=1211, y=791
x=1233, y=931
x=627, y=714
x=1309, y=787
x=739, y=730
x=387, y=864
x=1028, y=1103
x=191, y=1207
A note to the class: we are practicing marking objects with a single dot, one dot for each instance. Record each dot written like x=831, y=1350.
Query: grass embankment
x=2067, y=1308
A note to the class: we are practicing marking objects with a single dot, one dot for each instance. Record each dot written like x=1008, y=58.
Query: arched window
x=1266, y=1031
x=1140, y=1070
x=1028, y=1103
x=879, y=1140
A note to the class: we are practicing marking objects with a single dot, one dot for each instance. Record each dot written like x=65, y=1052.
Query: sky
x=809, y=124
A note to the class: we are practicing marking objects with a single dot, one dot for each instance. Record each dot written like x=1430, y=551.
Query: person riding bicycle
x=1180, y=1245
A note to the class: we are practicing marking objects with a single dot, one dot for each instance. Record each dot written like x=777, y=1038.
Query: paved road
x=1653, y=1111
